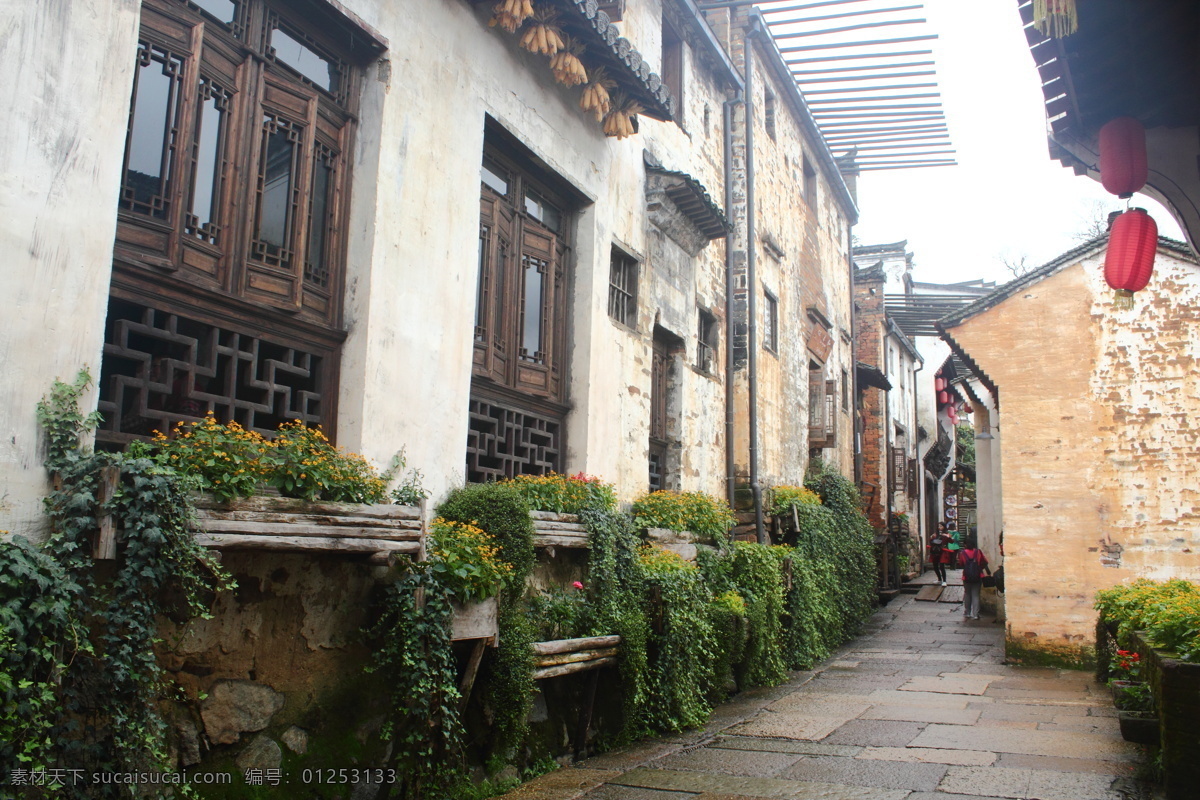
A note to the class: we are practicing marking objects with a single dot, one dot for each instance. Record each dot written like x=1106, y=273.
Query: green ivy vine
x=503, y=512
x=413, y=650
x=82, y=683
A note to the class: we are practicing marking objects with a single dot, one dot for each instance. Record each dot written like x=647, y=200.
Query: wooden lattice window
x=622, y=288
x=898, y=478
x=822, y=408
x=160, y=368
x=504, y=441
x=234, y=178
x=520, y=305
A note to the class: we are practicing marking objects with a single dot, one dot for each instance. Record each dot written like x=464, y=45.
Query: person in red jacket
x=974, y=564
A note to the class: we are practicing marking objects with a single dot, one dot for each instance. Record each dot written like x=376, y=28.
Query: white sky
x=1006, y=198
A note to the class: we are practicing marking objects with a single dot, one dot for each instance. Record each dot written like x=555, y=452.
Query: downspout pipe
x=752, y=283
x=730, y=236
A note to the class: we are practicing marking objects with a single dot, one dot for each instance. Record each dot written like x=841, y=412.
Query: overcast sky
x=1006, y=199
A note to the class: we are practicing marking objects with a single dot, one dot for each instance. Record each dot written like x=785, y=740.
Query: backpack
x=972, y=569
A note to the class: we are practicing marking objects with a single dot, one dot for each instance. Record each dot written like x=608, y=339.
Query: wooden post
x=424, y=532
x=468, y=680
x=105, y=547
x=585, y=716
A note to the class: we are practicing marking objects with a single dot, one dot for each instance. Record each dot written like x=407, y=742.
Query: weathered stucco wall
x=411, y=294
x=61, y=134
x=1099, y=445
x=801, y=259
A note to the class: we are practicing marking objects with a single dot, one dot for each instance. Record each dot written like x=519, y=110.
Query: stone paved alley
x=920, y=706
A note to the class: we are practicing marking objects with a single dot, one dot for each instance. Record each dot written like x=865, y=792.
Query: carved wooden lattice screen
x=504, y=442
x=899, y=470
x=162, y=368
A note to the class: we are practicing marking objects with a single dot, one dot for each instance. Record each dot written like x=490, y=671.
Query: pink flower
x=577, y=585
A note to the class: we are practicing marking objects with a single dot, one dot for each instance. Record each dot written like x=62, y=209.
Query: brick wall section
x=868, y=339
x=1099, y=428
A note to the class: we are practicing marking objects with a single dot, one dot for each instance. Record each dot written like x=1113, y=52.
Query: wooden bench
x=568, y=656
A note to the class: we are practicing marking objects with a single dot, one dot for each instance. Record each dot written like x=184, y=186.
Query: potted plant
x=467, y=560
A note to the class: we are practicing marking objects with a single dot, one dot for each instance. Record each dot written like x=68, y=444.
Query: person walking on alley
x=974, y=564
x=937, y=552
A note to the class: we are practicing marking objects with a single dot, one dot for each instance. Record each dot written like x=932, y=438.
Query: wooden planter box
x=288, y=525
x=1175, y=685
x=682, y=543
x=475, y=620
x=1139, y=727
x=568, y=656
x=551, y=529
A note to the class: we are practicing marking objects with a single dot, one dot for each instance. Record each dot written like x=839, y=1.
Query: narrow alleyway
x=920, y=706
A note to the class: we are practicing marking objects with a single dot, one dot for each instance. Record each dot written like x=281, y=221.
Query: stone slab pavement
x=919, y=707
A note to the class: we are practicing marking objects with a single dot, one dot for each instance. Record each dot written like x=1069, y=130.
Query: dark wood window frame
x=769, y=112
x=522, y=315
x=622, y=288
x=236, y=178
x=707, y=342
x=521, y=311
x=822, y=408
x=810, y=183
x=672, y=67
x=770, y=322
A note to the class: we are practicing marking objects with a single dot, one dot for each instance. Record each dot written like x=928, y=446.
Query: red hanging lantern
x=1132, y=244
x=1123, y=168
x=939, y=384
x=943, y=397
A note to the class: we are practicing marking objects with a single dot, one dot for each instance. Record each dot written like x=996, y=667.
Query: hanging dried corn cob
x=565, y=64
x=595, y=99
x=511, y=14
x=618, y=121
x=543, y=36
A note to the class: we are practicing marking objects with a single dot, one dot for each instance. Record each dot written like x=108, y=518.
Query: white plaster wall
x=415, y=216
x=68, y=66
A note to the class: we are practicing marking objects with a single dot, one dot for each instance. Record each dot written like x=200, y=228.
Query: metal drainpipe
x=730, y=461
x=857, y=429
x=752, y=287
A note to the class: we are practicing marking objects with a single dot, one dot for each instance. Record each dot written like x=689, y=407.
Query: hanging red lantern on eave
x=939, y=384
x=1123, y=167
x=943, y=397
x=1129, y=262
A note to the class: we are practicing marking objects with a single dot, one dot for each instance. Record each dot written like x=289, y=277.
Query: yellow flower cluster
x=231, y=461
x=567, y=494
x=786, y=497
x=684, y=511
x=467, y=558
x=656, y=559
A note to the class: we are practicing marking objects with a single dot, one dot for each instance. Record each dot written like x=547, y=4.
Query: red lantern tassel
x=1055, y=18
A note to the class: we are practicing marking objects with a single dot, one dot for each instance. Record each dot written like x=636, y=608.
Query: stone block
x=262, y=753
x=236, y=707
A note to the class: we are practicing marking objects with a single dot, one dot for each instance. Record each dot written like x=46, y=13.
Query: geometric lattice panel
x=161, y=368
x=505, y=442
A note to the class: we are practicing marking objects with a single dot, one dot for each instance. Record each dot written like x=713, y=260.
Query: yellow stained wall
x=1099, y=429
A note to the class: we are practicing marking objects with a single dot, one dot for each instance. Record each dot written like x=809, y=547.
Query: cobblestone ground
x=920, y=706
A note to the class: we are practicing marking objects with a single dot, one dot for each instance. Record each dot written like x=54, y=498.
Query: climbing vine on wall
x=413, y=650
x=81, y=671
